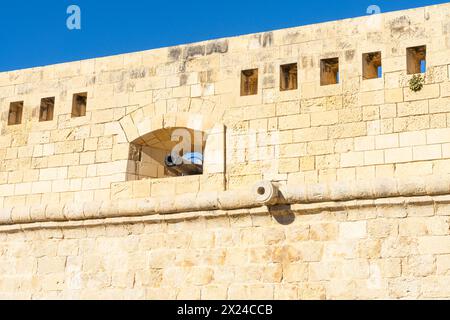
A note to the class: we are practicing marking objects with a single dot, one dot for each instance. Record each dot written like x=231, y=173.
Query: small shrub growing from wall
x=416, y=83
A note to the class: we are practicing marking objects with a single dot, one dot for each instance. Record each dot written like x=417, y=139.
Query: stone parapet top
x=219, y=45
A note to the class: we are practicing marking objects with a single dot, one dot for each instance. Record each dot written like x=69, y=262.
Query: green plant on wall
x=416, y=83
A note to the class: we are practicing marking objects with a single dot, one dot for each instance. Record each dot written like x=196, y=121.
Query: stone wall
x=357, y=129
x=394, y=249
x=360, y=212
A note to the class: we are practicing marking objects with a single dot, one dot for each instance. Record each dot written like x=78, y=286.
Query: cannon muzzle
x=189, y=164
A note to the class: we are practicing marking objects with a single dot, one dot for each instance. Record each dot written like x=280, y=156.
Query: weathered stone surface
x=357, y=172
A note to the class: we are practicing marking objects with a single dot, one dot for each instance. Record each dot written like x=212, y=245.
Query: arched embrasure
x=167, y=152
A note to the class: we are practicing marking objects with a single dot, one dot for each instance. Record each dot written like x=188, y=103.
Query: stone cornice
x=330, y=196
x=276, y=210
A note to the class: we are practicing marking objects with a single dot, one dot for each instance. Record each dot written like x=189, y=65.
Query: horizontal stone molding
x=311, y=197
x=442, y=201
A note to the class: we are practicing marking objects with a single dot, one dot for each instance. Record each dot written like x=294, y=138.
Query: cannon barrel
x=189, y=164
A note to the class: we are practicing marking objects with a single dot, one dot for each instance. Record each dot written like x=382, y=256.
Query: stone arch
x=152, y=135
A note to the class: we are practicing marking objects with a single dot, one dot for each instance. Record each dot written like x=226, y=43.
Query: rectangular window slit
x=288, y=77
x=329, y=71
x=15, y=113
x=79, y=103
x=249, y=82
x=372, y=68
x=47, y=109
x=416, y=59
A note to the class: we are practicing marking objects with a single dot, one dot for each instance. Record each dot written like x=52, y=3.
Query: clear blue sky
x=34, y=32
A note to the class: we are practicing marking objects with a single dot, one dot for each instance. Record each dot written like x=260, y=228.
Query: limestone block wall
x=394, y=249
x=324, y=146
x=357, y=129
